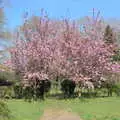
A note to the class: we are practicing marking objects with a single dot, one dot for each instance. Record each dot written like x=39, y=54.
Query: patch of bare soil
x=56, y=114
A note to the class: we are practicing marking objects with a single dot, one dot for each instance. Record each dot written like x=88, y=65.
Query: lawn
x=88, y=109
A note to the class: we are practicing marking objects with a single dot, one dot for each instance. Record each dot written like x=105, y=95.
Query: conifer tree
x=109, y=36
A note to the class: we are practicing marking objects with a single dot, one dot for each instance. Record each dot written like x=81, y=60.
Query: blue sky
x=74, y=9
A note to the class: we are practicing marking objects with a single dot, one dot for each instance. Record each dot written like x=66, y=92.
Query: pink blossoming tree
x=57, y=48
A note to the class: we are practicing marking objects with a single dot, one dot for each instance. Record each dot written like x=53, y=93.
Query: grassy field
x=87, y=109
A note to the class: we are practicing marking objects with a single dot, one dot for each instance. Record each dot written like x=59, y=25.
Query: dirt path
x=56, y=114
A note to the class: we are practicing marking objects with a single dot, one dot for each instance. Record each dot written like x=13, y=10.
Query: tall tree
x=109, y=36
x=5, y=34
x=51, y=51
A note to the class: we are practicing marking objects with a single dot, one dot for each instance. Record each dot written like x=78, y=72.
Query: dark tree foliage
x=28, y=93
x=68, y=87
x=37, y=91
x=43, y=87
x=109, y=36
x=18, y=91
x=5, y=82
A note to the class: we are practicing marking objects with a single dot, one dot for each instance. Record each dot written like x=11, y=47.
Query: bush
x=4, y=112
x=28, y=93
x=116, y=89
x=68, y=87
x=43, y=87
x=18, y=91
x=113, y=88
x=6, y=92
x=38, y=91
x=88, y=94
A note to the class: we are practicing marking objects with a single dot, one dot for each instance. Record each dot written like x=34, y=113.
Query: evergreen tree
x=109, y=36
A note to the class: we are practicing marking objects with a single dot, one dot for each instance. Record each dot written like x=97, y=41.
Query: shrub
x=43, y=87
x=88, y=94
x=68, y=87
x=18, y=91
x=116, y=89
x=38, y=91
x=6, y=92
x=113, y=88
x=28, y=93
x=4, y=112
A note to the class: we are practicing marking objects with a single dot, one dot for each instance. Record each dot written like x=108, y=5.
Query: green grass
x=88, y=109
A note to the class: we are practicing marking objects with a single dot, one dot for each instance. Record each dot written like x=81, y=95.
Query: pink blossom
x=59, y=49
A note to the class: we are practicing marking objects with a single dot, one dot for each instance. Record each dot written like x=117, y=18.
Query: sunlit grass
x=87, y=109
